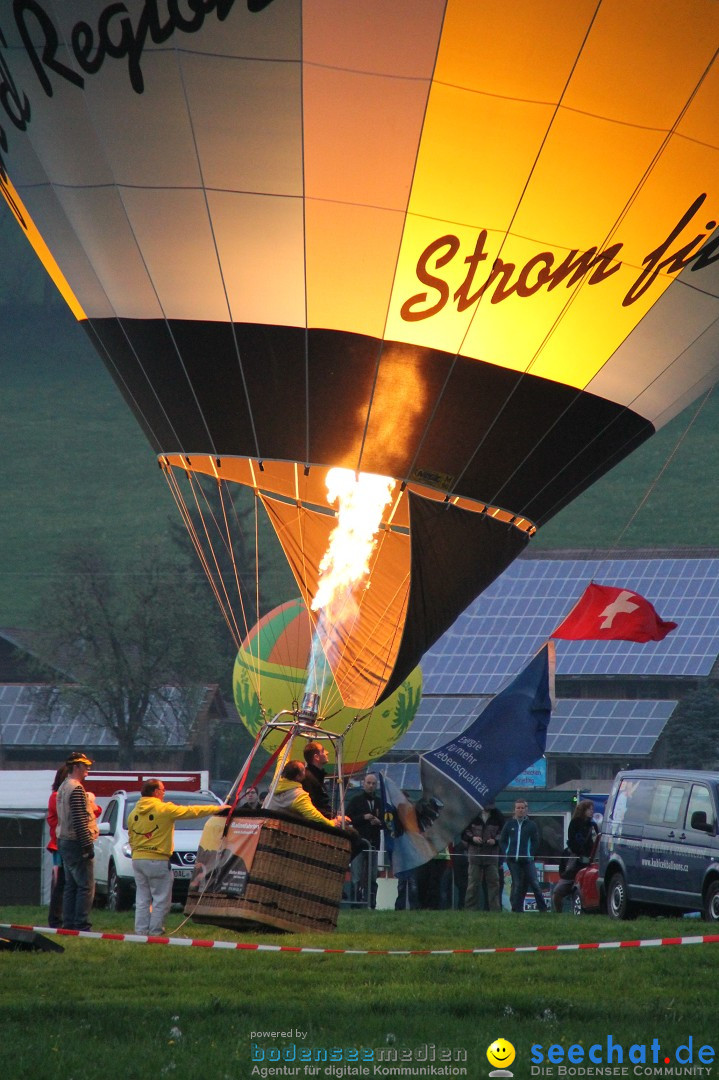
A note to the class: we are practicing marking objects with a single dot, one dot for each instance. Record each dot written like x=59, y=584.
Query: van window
x=668, y=803
x=632, y=801
x=700, y=799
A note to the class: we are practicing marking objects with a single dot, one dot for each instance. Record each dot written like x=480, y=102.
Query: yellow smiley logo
x=500, y=1054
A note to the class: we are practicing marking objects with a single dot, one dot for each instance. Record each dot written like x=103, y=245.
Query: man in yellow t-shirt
x=291, y=797
x=151, y=832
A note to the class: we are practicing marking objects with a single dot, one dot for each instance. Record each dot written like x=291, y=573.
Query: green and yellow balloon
x=274, y=657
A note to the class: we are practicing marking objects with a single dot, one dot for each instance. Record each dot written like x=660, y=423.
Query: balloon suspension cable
x=358, y=717
x=299, y=722
x=223, y=489
x=256, y=671
x=226, y=523
x=228, y=546
x=193, y=533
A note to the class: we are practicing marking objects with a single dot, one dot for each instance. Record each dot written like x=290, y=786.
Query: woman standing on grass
x=582, y=833
x=57, y=882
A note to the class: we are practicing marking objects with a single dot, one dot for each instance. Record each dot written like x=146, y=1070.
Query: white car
x=114, y=879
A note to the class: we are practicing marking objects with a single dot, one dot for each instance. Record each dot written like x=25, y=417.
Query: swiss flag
x=604, y=613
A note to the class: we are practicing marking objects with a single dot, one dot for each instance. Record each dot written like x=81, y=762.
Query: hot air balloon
x=471, y=248
x=275, y=655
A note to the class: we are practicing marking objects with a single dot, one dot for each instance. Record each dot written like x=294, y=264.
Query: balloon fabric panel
x=369, y=633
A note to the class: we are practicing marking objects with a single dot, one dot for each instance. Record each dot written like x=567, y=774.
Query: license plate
x=183, y=874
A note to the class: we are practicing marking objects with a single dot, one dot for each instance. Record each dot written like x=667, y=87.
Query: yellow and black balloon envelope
x=469, y=246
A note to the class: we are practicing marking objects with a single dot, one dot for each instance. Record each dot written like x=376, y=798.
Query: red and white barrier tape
x=139, y=939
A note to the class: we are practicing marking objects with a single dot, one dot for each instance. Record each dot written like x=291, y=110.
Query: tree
x=137, y=644
x=691, y=738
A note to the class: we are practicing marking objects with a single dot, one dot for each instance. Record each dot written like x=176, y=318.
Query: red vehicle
x=585, y=894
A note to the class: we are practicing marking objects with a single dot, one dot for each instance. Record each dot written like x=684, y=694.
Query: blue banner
x=508, y=736
x=468, y=772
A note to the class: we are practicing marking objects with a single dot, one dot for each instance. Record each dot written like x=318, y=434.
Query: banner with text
x=468, y=772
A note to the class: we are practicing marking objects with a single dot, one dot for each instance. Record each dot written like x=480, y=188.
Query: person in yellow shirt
x=151, y=833
x=291, y=797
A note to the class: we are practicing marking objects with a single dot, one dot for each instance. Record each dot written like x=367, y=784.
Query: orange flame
x=361, y=499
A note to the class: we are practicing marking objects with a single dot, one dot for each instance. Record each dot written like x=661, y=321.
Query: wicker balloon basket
x=269, y=870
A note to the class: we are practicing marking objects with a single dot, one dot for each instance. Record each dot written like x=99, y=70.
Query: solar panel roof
x=405, y=775
x=23, y=721
x=578, y=725
x=626, y=728
x=502, y=629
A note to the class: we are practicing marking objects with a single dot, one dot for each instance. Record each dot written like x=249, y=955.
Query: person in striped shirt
x=76, y=834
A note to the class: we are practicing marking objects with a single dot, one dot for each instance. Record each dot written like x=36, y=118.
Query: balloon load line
x=244, y=946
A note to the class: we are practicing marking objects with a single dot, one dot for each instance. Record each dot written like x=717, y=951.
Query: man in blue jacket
x=518, y=840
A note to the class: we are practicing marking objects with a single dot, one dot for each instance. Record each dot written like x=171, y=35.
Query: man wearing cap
x=76, y=834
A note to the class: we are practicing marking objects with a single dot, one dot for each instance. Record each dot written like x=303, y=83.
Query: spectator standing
x=434, y=879
x=407, y=891
x=581, y=836
x=151, y=833
x=76, y=834
x=57, y=882
x=501, y=872
x=365, y=813
x=407, y=881
x=518, y=840
x=459, y=861
x=482, y=839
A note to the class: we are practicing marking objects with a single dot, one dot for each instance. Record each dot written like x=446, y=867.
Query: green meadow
x=107, y=1009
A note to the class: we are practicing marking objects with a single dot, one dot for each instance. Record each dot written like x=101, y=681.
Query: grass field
x=662, y=495
x=106, y=1009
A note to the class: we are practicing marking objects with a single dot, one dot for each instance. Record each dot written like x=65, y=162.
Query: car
x=659, y=851
x=114, y=879
x=585, y=897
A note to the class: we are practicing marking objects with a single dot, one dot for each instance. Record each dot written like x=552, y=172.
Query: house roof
x=26, y=721
x=504, y=627
x=17, y=647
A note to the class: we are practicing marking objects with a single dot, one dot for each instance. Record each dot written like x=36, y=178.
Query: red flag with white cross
x=605, y=613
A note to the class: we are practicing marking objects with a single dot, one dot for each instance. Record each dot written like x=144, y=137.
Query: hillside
x=76, y=465
x=665, y=494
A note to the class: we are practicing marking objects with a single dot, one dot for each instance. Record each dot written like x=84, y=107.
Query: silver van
x=659, y=849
